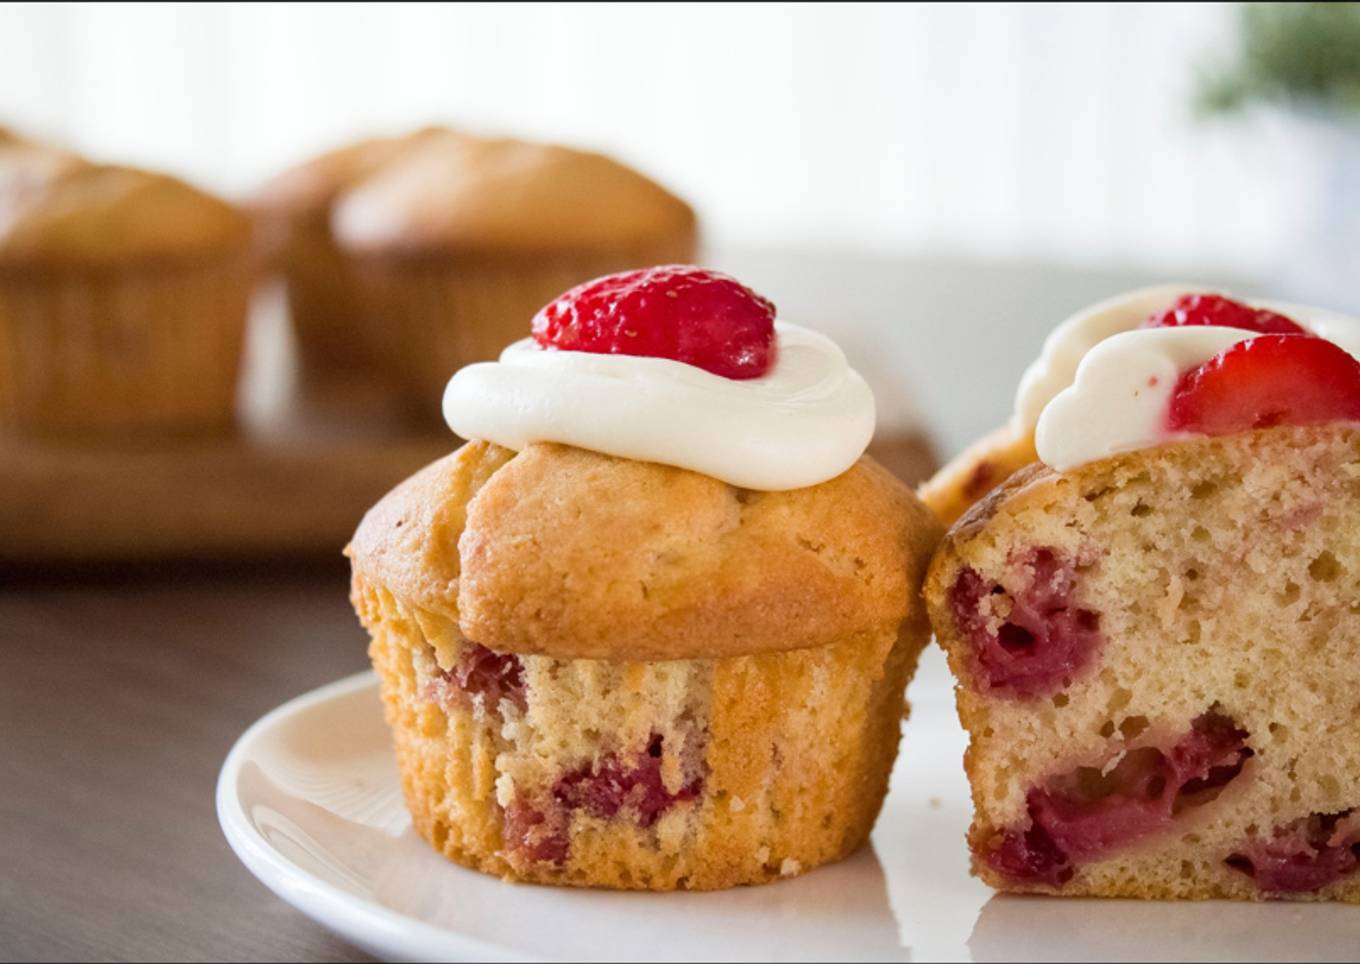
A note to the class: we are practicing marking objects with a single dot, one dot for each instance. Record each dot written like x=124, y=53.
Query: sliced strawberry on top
x=687, y=314
x=1265, y=381
x=1208, y=309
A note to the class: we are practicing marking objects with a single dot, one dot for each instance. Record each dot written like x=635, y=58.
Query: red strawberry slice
x=688, y=314
x=1205, y=309
x=1265, y=381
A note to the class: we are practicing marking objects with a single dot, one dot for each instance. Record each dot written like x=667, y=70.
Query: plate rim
x=365, y=923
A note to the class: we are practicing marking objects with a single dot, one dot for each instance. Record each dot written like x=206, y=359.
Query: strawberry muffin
x=650, y=629
x=123, y=299
x=1156, y=627
x=292, y=221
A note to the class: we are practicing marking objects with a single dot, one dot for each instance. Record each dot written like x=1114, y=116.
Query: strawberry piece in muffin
x=1303, y=856
x=1029, y=635
x=1091, y=811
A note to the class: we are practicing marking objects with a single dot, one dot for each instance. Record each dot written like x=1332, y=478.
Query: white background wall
x=1049, y=131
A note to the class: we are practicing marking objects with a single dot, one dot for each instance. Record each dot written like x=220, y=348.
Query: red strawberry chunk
x=481, y=674
x=1031, y=856
x=531, y=836
x=687, y=314
x=1086, y=811
x=615, y=784
x=497, y=676
x=1090, y=811
x=633, y=786
x=1266, y=381
x=1303, y=856
x=1046, y=639
x=1207, y=309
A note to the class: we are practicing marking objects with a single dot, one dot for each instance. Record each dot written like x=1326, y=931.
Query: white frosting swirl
x=806, y=420
x=1122, y=392
x=1103, y=385
x=1068, y=344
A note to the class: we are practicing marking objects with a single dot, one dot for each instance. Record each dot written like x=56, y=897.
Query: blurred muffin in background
x=123, y=298
x=293, y=231
x=27, y=169
x=429, y=251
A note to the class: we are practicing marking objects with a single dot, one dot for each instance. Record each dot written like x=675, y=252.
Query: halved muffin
x=1158, y=657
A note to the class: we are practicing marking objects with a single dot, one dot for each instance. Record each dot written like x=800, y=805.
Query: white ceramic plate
x=309, y=800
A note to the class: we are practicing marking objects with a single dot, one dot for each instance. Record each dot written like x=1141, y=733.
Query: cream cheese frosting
x=805, y=421
x=1067, y=344
x=1103, y=385
x=1122, y=391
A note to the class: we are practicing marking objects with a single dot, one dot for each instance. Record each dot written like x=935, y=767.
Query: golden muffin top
x=27, y=171
x=439, y=191
x=503, y=196
x=307, y=189
x=569, y=553
x=58, y=209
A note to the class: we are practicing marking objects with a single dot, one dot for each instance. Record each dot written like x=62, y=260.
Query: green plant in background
x=1289, y=54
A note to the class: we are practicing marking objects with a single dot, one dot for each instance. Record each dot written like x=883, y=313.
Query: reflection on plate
x=1035, y=929
x=309, y=799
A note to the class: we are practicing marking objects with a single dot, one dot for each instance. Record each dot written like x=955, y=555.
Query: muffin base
x=147, y=349
x=727, y=771
x=335, y=337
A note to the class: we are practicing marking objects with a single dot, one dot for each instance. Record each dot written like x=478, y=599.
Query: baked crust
x=63, y=211
x=438, y=192
x=977, y=470
x=573, y=554
x=292, y=212
x=310, y=186
x=505, y=197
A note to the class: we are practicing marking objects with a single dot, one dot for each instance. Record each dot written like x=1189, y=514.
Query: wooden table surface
x=120, y=695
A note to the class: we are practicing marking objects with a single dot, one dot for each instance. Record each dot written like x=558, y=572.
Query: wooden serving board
x=295, y=479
